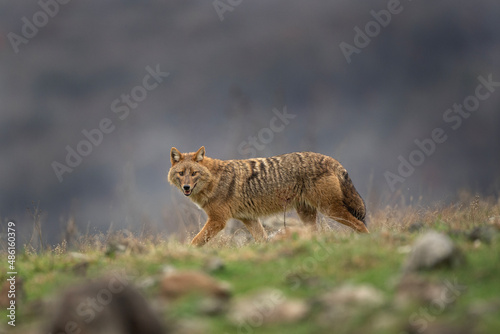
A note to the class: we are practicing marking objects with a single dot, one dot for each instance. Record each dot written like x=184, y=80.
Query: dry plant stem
x=37, y=226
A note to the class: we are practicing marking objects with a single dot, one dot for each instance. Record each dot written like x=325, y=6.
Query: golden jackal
x=249, y=189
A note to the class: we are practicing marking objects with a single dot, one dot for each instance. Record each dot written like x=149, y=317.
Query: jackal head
x=188, y=172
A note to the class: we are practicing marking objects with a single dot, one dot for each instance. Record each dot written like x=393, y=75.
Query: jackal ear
x=175, y=156
x=200, y=154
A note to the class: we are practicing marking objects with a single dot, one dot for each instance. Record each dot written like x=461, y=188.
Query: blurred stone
x=79, y=256
x=80, y=269
x=404, y=249
x=432, y=250
x=146, y=283
x=415, y=289
x=108, y=305
x=354, y=295
x=191, y=326
x=268, y=306
x=345, y=301
x=426, y=327
x=214, y=264
x=213, y=306
x=482, y=234
x=182, y=283
x=168, y=269
x=300, y=279
x=479, y=309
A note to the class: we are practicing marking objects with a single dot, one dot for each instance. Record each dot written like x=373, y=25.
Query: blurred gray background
x=230, y=64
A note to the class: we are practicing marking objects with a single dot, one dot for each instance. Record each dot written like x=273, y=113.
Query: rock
x=479, y=309
x=482, y=234
x=191, y=326
x=268, y=306
x=213, y=306
x=79, y=256
x=346, y=301
x=415, y=289
x=432, y=250
x=214, y=264
x=108, y=305
x=80, y=268
x=168, y=269
x=354, y=295
x=425, y=327
x=182, y=283
x=146, y=283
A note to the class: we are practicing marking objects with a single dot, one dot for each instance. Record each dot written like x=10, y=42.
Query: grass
x=302, y=267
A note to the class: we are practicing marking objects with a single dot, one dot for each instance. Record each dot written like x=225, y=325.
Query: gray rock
x=481, y=233
x=433, y=250
x=117, y=307
x=347, y=301
x=214, y=264
x=269, y=306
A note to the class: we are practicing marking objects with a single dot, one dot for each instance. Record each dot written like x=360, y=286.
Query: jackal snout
x=188, y=189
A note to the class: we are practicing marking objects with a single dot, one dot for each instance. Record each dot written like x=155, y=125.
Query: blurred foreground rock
x=347, y=300
x=178, y=284
x=107, y=306
x=433, y=250
x=268, y=306
x=413, y=289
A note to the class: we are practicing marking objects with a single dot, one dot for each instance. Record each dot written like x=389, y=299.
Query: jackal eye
x=181, y=173
x=194, y=173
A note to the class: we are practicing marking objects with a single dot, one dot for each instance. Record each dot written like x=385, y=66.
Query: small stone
x=432, y=250
x=352, y=295
x=483, y=308
x=214, y=264
x=168, y=269
x=146, y=283
x=182, y=283
x=268, y=306
x=415, y=289
x=123, y=309
x=80, y=269
x=346, y=301
x=79, y=256
x=213, y=306
x=481, y=234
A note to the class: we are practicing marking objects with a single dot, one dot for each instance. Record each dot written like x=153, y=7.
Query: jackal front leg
x=210, y=230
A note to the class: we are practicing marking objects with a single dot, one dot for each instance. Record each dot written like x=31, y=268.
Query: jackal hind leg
x=307, y=215
x=256, y=229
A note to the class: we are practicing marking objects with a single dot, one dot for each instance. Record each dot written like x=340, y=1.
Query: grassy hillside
x=335, y=281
